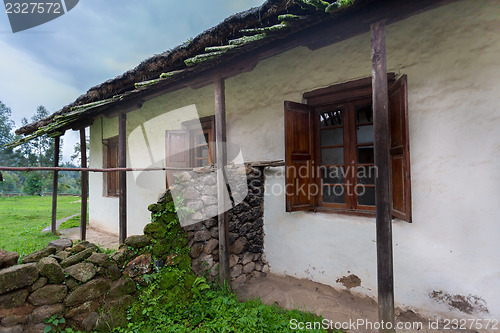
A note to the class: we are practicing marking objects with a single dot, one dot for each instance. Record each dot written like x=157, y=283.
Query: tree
x=6, y=136
x=43, y=146
x=26, y=150
x=76, y=157
x=33, y=184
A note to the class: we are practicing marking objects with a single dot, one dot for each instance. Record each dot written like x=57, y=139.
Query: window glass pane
x=202, y=162
x=365, y=154
x=366, y=195
x=331, y=118
x=366, y=175
x=364, y=114
x=333, y=175
x=332, y=137
x=200, y=139
x=332, y=156
x=202, y=151
x=334, y=194
x=364, y=134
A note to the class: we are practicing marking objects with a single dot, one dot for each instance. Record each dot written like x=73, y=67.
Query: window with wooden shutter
x=190, y=147
x=299, y=151
x=400, y=150
x=332, y=137
x=111, y=178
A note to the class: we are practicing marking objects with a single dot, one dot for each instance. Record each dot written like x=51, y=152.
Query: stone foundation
x=246, y=234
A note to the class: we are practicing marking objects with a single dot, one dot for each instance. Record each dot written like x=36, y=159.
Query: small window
x=332, y=138
x=111, y=181
x=190, y=147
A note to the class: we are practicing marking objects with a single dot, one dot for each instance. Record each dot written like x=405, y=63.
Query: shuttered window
x=111, y=159
x=190, y=147
x=330, y=150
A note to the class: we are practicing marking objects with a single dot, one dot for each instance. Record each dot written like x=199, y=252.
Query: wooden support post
x=85, y=184
x=57, y=144
x=382, y=190
x=122, y=176
x=221, y=154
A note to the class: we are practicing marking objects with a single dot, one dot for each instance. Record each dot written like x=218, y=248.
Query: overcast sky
x=54, y=63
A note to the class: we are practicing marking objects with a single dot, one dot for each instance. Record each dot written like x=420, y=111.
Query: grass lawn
x=22, y=219
x=73, y=222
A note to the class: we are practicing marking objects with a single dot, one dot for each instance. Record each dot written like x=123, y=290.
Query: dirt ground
x=103, y=239
x=340, y=307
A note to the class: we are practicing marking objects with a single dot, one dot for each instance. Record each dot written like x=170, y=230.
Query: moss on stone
x=155, y=230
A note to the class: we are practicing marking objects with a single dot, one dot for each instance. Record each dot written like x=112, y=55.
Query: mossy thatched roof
x=236, y=36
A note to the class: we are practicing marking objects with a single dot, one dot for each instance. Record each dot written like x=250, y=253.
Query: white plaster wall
x=451, y=57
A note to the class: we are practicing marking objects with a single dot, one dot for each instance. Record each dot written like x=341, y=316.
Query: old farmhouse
x=292, y=82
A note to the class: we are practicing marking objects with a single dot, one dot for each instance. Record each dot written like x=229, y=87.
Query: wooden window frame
x=347, y=95
x=111, y=179
x=191, y=129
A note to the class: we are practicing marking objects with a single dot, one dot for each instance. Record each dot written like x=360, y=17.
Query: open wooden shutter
x=400, y=150
x=299, y=152
x=177, y=152
x=112, y=186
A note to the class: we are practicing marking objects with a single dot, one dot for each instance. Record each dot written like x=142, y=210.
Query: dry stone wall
x=246, y=236
x=77, y=282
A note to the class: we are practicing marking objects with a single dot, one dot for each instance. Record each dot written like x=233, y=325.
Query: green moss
x=274, y=28
x=168, y=75
x=155, y=230
x=146, y=83
x=220, y=48
x=153, y=208
x=161, y=249
x=247, y=39
x=202, y=57
x=289, y=17
x=167, y=219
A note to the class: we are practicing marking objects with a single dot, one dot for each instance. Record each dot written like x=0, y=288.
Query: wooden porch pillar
x=85, y=184
x=382, y=189
x=122, y=176
x=57, y=144
x=221, y=155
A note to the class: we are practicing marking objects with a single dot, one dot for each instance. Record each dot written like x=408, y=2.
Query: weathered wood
x=85, y=184
x=400, y=150
x=345, y=86
x=90, y=169
x=299, y=153
x=382, y=189
x=53, y=226
x=275, y=163
x=122, y=163
x=221, y=155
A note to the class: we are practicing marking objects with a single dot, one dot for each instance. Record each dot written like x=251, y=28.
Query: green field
x=22, y=219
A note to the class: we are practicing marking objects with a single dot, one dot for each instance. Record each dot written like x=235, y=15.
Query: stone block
x=7, y=258
x=78, y=257
x=100, y=259
x=88, y=291
x=17, y=277
x=49, y=294
x=82, y=272
x=50, y=268
x=37, y=255
x=138, y=241
x=61, y=243
x=13, y=299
